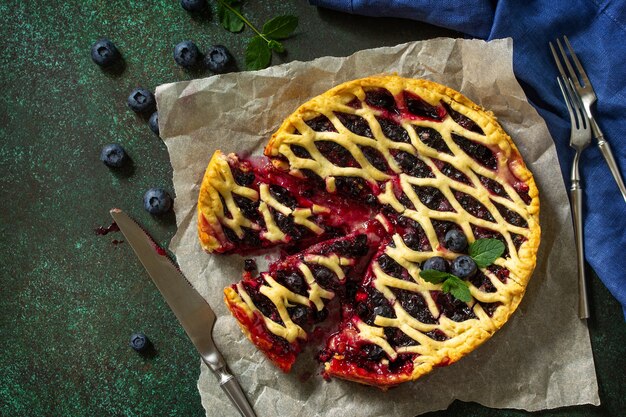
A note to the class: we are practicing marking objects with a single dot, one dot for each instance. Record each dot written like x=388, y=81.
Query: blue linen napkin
x=597, y=31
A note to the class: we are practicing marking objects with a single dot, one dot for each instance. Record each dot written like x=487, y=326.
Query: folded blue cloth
x=597, y=31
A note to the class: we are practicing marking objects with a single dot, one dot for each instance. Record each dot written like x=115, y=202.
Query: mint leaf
x=458, y=288
x=485, y=251
x=258, y=54
x=229, y=20
x=280, y=27
x=276, y=46
x=435, y=277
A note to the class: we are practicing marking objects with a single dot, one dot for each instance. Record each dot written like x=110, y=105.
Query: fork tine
x=558, y=63
x=579, y=67
x=570, y=69
x=578, y=106
x=565, y=97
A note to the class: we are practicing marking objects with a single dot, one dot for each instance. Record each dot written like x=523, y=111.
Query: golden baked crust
x=484, y=187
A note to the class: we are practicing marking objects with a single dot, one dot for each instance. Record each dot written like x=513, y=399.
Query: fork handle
x=605, y=148
x=576, y=194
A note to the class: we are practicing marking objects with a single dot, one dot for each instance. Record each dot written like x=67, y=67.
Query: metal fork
x=588, y=96
x=580, y=137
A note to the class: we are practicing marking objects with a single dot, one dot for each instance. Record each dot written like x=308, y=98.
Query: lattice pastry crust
x=421, y=159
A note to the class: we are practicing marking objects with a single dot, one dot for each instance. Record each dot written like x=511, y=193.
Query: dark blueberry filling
x=433, y=139
x=415, y=305
x=473, y=206
x=390, y=266
x=375, y=158
x=403, y=363
x=325, y=277
x=406, y=201
x=293, y=281
x=372, y=352
x=462, y=120
x=248, y=207
x=490, y=308
x=313, y=179
x=287, y=225
x=451, y=172
x=227, y=213
x=321, y=123
x=517, y=240
x=493, y=186
x=482, y=154
x=499, y=271
x=300, y=152
x=283, y=196
x=355, y=124
x=352, y=186
x=437, y=335
x=452, y=308
x=418, y=107
x=355, y=103
x=432, y=198
x=397, y=338
x=336, y=154
x=300, y=315
x=480, y=281
x=393, y=130
x=250, y=237
x=352, y=248
x=510, y=216
x=522, y=190
x=412, y=165
x=243, y=178
x=320, y=315
x=373, y=298
x=382, y=99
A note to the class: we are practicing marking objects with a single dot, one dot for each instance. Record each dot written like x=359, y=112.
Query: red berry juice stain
x=101, y=231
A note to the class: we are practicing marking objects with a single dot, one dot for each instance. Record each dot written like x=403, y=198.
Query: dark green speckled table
x=69, y=298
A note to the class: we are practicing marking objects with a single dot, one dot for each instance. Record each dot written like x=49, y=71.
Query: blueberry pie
x=365, y=188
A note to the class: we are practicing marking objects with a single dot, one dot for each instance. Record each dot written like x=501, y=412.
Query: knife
x=192, y=311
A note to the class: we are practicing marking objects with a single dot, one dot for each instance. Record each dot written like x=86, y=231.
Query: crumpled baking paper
x=541, y=358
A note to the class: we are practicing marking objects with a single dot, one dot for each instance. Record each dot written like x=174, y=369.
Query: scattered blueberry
x=153, y=122
x=463, y=267
x=113, y=155
x=141, y=100
x=218, y=59
x=455, y=240
x=186, y=54
x=437, y=263
x=104, y=53
x=139, y=341
x=157, y=201
x=249, y=265
x=193, y=5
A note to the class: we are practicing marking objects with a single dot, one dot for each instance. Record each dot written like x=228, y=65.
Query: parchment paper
x=541, y=358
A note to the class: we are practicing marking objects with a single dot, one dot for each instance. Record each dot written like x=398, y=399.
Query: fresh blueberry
x=455, y=240
x=113, y=155
x=193, y=5
x=218, y=59
x=463, y=267
x=153, y=122
x=437, y=263
x=139, y=341
x=104, y=53
x=141, y=100
x=186, y=54
x=157, y=201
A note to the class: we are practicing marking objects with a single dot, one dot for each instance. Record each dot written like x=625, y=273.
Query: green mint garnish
x=485, y=251
x=451, y=283
x=260, y=47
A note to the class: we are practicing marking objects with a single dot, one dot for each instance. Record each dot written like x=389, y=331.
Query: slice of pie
x=397, y=165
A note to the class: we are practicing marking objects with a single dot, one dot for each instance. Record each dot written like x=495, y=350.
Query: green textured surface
x=69, y=298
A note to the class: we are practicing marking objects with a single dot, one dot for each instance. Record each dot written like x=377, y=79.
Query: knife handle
x=605, y=148
x=233, y=390
x=576, y=194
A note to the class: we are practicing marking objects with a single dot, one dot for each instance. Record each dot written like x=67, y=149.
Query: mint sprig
x=260, y=47
x=483, y=251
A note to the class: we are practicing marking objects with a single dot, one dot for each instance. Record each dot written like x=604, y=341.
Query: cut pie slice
x=277, y=308
x=424, y=163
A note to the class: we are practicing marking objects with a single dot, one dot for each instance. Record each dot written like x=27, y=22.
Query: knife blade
x=192, y=311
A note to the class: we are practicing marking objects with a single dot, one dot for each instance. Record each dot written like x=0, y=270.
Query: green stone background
x=69, y=299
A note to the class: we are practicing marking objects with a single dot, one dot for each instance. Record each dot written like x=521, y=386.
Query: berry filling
x=416, y=106
x=355, y=124
x=451, y=172
x=462, y=120
x=321, y=123
x=393, y=130
x=473, y=206
x=381, y=99
x=480, y=153
x=431, y=138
